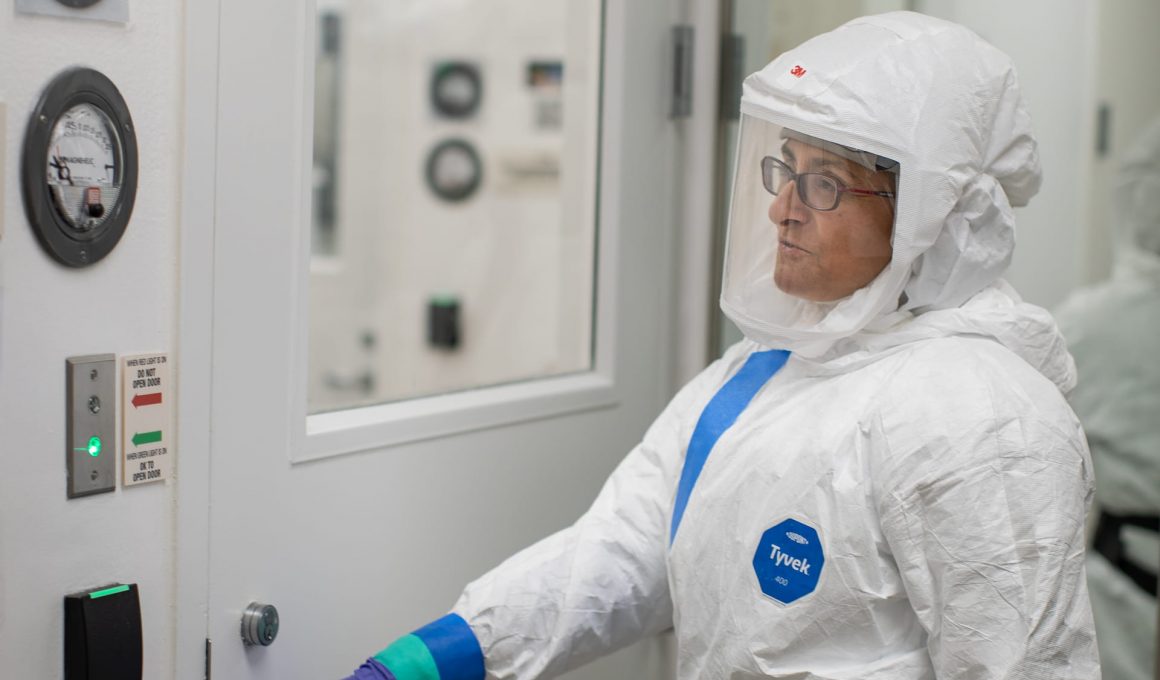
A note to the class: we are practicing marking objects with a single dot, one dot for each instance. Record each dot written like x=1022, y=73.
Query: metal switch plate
x=92, y=410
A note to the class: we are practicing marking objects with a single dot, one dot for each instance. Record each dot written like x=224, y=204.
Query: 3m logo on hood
x=797, y=71
x=788, y=561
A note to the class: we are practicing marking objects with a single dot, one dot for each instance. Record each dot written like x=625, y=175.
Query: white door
x=363, y=524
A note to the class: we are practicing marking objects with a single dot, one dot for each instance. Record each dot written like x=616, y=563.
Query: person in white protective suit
x=1113, y=330
x=883, y=480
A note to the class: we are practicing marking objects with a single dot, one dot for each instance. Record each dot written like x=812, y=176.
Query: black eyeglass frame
x=840, y=188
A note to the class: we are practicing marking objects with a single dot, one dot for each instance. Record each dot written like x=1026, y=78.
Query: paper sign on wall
x=147, y=442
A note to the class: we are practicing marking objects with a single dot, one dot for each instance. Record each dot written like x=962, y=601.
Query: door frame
x=194, y=341
x=698, y=284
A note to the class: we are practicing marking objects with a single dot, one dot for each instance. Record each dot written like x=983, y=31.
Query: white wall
x=50, y=546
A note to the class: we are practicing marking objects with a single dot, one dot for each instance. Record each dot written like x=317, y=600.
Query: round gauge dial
x=79, y=167
x=454, y=170
x=456, y=89
x=83, y=167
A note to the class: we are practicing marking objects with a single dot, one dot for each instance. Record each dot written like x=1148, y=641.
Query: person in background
x=1113, y=331
x=883, y=480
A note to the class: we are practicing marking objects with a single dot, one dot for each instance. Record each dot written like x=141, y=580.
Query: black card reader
x=102, y=634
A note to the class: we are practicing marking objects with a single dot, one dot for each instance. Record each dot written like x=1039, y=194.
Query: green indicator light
x=107, y=591
x=444, y=300
x=94, y=446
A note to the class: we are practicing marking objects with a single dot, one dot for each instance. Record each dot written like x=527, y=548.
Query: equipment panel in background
x=93, y=10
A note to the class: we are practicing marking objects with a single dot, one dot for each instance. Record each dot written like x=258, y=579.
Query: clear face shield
x=810, y=228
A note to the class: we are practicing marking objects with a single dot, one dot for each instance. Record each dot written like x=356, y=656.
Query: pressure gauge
x=454, y=170
x=456, y=89
x=80, y=167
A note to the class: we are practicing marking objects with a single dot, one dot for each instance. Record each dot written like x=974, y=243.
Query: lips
x=793, y=247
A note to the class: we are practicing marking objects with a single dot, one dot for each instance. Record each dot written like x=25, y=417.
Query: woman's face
x=824, y=256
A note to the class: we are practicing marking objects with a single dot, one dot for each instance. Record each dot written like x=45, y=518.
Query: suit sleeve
x=576, y=595
x=596, y=586
x=982, y=495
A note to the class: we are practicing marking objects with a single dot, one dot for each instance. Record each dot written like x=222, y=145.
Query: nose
x=787, y=207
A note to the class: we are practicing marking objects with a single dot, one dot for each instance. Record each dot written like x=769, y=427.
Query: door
x=360, y=524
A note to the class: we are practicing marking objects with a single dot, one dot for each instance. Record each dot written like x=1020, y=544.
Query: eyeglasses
x=818, y=191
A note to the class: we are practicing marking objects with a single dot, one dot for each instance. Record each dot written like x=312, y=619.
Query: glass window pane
x=455, y=196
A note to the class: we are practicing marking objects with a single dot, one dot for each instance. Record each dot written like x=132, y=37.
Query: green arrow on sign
x=146, y=438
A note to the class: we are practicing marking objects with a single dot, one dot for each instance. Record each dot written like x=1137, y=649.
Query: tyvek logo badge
x=788, y=561
x=797, y=71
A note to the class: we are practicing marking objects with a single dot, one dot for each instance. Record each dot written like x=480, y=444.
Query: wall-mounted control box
x=91, y=410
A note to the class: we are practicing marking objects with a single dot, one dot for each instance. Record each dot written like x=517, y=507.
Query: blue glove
x=371, y=670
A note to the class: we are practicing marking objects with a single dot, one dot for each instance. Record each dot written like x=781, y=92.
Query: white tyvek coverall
x=1112, y=330
x=925, y=438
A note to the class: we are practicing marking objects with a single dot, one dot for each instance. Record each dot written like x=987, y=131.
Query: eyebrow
x=823, y=162
x=827, y=161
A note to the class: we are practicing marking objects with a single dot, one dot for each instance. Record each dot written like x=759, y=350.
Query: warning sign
x=147, y=424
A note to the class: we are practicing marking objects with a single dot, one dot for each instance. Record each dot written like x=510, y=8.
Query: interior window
x=454, y=201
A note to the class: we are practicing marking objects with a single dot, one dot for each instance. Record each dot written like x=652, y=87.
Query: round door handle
x=259, y=624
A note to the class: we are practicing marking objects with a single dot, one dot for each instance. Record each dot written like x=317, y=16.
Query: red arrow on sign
x=140, y=400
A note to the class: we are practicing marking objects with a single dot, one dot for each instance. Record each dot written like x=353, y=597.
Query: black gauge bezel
x=61, y=241
x=78, y=4
x=456, y=69
x=464, y=192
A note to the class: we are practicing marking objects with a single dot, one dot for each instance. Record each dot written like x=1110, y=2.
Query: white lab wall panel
x=1053, y=45
x=50, y=546
x=518, y=254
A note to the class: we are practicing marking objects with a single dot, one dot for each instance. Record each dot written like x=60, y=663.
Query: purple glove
x=371, y=670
